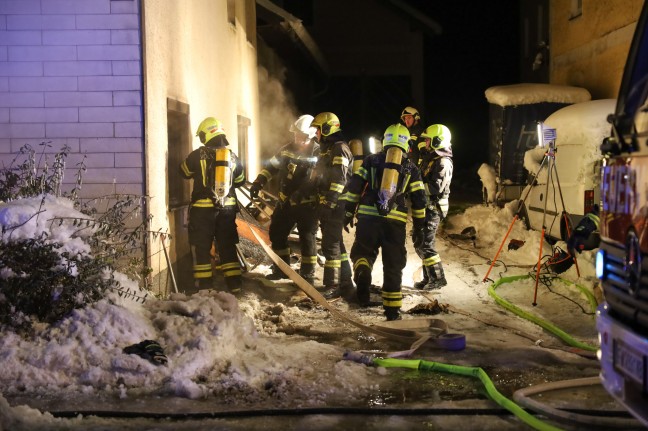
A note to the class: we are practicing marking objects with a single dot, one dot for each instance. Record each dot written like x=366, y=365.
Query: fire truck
x=622, y=259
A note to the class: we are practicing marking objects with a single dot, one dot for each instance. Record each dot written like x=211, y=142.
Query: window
x=231, y=12
x=250, y=21
x=179, y=146
x=575, y=9
x=243, y=125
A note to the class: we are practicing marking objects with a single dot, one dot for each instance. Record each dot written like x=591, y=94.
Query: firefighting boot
x=426, y=279
x=278, y=274
x=392, y=313
x=437, y=277
x=203, y=283
x=307, y=270
x=363, y=283
x=234, y=284
x=330, y=280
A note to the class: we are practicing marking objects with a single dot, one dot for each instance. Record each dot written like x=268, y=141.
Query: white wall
x=193, y=55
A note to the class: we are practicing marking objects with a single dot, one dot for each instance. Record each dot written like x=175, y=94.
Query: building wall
x=590, y=50
x=89, y=74
x=196, y=56
x=70, y=75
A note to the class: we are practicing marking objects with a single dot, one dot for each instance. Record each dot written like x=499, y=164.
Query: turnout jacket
x=415, y=142
x=436, y=169
x=332, y=170
x=362, y=191
x=293, y=166
x=200, y=165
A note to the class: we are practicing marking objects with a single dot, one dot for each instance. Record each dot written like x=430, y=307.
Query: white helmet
x=303, y=125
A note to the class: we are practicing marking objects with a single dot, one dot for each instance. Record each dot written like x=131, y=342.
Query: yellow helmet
x=411, y=111
x=396, y=135
x=327, y=122
x=440, y=136
x=209, y=128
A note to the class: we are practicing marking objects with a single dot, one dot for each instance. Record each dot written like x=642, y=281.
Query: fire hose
x=475, y=372
x=535, y=319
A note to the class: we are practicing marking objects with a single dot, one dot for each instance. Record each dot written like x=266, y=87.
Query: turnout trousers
x=207, y=225
x=282, y=222
x=374, y=233
x=337, y=269
x=432, y=267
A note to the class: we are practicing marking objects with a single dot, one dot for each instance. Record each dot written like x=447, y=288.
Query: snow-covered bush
x=58, y=253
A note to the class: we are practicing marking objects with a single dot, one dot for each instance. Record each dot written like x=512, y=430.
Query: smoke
x=277, y=112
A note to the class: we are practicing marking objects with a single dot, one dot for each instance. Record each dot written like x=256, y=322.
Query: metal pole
x=517, y=213
x=166, y=255
x=565, y=216
x=551, y=156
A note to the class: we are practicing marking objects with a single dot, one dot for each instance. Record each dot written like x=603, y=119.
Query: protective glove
x=418, y=238
x=348, y=220
x=296, y=197
x=254, y=190
x=328, y=204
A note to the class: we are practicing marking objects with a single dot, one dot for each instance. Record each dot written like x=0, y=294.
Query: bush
x=42, y=280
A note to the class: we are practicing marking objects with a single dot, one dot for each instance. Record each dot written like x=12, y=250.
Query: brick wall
x=70, y=74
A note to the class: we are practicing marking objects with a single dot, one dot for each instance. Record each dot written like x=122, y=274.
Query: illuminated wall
x=589, y=47
x=197, y=53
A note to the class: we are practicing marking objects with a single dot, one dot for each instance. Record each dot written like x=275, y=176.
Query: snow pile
x=30, y=217
x=212, y=346
x=220, y=348
x=527, y=94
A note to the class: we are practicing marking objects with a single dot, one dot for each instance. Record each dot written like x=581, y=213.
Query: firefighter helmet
x=439, y=135
x=209, y=128
x=411, y=111
x=327, y=122
x=396, y=135
x=303, y=125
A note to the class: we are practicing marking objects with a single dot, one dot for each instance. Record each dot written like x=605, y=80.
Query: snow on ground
x=221, y=346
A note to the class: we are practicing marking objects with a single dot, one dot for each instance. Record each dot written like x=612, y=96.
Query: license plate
x=629, y=362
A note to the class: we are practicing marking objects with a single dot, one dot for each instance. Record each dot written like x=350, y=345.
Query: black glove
x=418, y=237
x=148, y=349
x=296, y=197
x=348, y=220
x=254, y=190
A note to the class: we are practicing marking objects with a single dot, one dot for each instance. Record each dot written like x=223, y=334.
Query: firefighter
x=215, y=171
x=293, y=164
x=586, y=236
x=436, y=171
x=329, y=177
x=379, y=191
x=411, y=118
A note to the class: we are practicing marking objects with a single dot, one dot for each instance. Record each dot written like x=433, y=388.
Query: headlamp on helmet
x=327, y=122
x=396, y=135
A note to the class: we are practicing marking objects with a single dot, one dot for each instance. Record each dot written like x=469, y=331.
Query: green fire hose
x=476, y=372
x=535, y=319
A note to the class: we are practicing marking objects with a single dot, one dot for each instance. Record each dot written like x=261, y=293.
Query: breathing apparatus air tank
x=222, y=175
x=395, y=144
x=389, y=182
x=358, y=153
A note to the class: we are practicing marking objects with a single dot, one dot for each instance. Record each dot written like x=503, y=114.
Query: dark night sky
x=479, y=48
